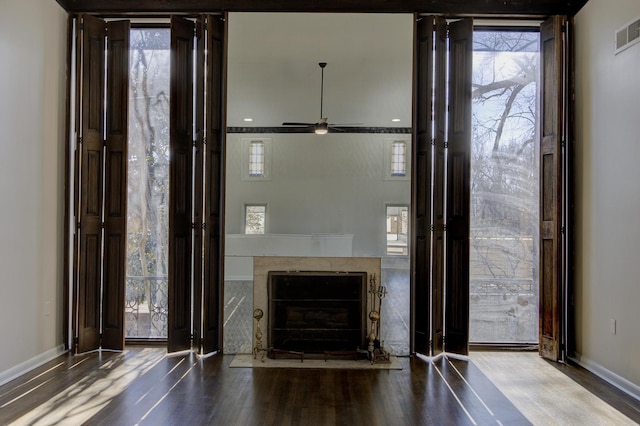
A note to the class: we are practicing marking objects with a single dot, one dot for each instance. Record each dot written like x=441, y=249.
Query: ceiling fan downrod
x=322, y=65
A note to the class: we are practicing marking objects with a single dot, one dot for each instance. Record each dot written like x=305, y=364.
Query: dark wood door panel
x=115, y=216
x=551, y=191
x=180, y=185
x=458, y=187
x=213, y=285
x=90, y=170
x=421, y=184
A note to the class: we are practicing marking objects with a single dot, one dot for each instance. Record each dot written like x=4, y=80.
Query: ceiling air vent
x=627, y=36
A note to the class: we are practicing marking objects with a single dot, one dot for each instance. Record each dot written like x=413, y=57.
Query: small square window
x=254, y=219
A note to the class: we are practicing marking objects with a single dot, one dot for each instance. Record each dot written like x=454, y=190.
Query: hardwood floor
x=144, y=386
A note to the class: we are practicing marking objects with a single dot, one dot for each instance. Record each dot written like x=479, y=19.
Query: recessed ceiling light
x=248, y=119
x=395, y=120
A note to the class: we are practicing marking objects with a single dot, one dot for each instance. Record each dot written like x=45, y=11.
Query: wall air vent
x=627, y=36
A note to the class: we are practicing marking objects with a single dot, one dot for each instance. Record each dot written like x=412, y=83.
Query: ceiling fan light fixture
x=321, y=129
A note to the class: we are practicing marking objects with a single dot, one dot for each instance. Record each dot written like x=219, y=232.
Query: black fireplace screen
x=314, y=312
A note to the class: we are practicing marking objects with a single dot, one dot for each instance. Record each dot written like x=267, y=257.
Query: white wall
x=608, y=193
x=320, y=184
x=32, y=110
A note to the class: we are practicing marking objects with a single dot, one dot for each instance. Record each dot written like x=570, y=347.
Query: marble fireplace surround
x=263, y=264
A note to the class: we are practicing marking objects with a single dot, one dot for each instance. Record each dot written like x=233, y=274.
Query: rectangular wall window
x=254, y=219
x=396, y=155
x=399, y=158
x=256, y=159
x=397, y=230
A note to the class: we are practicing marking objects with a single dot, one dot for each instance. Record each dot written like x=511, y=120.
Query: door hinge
x=204, y=226
x=562, y=229
x=432, y=227
x=204, y=140
x=446, y=145
x=80, y=140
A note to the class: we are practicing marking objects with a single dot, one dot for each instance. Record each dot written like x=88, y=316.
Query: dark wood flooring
x=144, y=386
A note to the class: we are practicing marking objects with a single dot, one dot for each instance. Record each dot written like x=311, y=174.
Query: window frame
x=388, y=146
x=246, y=152
x=408, y=234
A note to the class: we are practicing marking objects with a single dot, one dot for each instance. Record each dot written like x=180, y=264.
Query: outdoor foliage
x=504, y=187
x=148, y=183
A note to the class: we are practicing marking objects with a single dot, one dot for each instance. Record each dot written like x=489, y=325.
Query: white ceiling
x=273, y=72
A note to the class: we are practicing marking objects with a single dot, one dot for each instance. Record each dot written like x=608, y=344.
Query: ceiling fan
x=320, y=127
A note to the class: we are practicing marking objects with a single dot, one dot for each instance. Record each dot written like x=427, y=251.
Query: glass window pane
x=504, y=188
x=256, y=159
x=254, y=219
x=148, y=185
x=397, y=228
x=398, y=159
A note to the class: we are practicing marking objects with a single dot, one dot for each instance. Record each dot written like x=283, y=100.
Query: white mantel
x=240, y=249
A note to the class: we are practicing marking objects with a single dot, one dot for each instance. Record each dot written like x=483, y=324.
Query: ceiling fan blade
x=298, y=124
x=345, y=124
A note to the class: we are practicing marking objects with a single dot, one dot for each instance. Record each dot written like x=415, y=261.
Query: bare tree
x=148, y=166
x=504, y=215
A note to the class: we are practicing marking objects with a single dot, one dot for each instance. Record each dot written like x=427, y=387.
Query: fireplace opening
x=317, y=312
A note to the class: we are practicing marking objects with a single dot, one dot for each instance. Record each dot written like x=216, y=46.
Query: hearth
x=317, y=312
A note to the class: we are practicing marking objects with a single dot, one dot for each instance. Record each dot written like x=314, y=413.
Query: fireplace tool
x=376, y=346
x=258, y=314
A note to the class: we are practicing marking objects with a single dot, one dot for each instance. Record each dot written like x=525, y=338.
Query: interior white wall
x=32, y=111
x=608, y=192
x=320, y=184
x=273, y=74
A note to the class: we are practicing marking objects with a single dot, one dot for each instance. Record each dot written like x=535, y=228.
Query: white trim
x=239, y=277
x=442, y=355
x=180, y=353
x=28, y=365
x=608, y=376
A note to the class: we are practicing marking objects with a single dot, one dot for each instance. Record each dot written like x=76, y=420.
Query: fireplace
x=317, y=312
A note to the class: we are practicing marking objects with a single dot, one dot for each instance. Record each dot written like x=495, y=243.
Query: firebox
x=316, y=312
